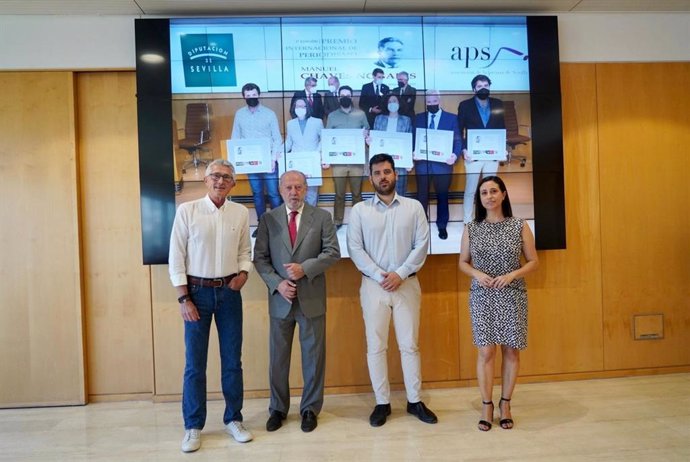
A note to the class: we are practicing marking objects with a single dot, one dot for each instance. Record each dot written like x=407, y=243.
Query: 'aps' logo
x=208, y=60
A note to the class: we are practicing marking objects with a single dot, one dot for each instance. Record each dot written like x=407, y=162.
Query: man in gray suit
x=296, y=243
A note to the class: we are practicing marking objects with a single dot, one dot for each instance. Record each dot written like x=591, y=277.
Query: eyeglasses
x=218, y=177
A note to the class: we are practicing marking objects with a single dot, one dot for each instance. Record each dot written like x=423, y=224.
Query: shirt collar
x=377, y=200
x=211, y=205
x=299, y=210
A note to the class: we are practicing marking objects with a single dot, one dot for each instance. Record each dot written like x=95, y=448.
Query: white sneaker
x=237, y=430
x=192, y=440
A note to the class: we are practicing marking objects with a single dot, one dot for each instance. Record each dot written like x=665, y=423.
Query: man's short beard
x=391, y=188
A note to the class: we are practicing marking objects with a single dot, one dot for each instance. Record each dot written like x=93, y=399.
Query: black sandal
x=486, y=424
x=505, y=424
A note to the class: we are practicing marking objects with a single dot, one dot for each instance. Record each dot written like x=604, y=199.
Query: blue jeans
x=257, y=181
x=401, y=184
x=226, y=306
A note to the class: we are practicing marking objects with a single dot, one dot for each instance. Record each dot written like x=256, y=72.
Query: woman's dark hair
x=480, y=210
x=306, y=103
x=384, y=103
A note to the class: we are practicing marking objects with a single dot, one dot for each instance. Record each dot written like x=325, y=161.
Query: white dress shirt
x=298, y=217
x=383, y=238
x=209, y=242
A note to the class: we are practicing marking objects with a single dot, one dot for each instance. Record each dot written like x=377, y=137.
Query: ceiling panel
x=471, y=6
x=632, y=5
x=247, y=7
x=70, y=7
x=243, y=7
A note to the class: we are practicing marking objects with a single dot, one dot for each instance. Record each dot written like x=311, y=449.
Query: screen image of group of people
x=442, y=143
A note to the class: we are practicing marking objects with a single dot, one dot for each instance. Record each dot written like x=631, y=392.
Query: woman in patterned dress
x=492, y=245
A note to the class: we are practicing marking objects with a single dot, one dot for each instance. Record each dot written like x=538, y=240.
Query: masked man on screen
x=371, y=95
x=313, y=98
x=346, y=116
x=480, y=111
x=330, y=101
x=438, y=173
x=209, y=263
x=388, y=238
x=406, y=93
x=295, y=245
x=257, y=121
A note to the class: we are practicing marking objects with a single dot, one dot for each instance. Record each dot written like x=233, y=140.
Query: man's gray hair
x=221, y=163
x=304, y=177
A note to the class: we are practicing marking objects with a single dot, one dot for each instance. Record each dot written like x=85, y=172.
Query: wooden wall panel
x=644, y=134
x=116, y=284
x=41, y=336
x=565, y=294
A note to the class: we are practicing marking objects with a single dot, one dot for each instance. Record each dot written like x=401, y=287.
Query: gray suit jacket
x=316, y=249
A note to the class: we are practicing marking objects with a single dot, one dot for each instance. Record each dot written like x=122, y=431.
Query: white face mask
x=332, y=88
x=378, y=81
x=393, y=107
x=301, y=112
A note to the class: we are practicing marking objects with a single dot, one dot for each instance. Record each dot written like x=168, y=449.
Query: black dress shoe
x=422, y=412
x=443, y=234
x=378, y=417
x=308, y=421
x=275, y=421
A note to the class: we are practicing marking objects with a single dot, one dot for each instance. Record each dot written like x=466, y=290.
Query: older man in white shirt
x=388, y=239
x=209, y=263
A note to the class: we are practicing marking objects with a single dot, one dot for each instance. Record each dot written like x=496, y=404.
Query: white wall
x=107, y=42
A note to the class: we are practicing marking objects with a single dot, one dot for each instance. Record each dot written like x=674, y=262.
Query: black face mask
x=483, y=93
x=252, y=102
x=346, y=102
x=401, y=84
x=433, y=108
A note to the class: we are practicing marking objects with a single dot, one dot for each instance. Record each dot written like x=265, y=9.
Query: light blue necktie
x=432, y=125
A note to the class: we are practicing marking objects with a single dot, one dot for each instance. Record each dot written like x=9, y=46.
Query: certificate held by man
x=250, y=155
x=342, y=146
x=307, y=162
x=433, y=145
x=487, y=144
x=397, y=144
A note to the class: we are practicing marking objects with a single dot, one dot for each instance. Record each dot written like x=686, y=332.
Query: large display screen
x=207, y=62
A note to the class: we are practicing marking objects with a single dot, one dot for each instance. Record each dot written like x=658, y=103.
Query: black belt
x=214, y=282
x=409, y=275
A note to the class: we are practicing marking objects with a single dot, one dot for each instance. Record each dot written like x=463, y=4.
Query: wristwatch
x=184, y=298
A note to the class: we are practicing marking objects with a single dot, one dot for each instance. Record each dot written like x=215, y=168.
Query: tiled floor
x=627, y=419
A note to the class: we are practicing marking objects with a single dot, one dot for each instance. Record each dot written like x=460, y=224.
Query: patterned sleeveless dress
x=499, y=316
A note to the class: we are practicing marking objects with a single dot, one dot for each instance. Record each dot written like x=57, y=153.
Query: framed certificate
x=307, y=162
x=487, y=144
x=398, y=145
x=342, y=146
x=433, y=145
x=251, y=155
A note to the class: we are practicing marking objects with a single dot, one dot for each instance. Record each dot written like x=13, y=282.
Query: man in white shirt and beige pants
x=388, y=239
x=209, y=261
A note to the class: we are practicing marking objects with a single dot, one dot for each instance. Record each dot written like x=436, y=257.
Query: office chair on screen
x=513, y=136
x=197, y=132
